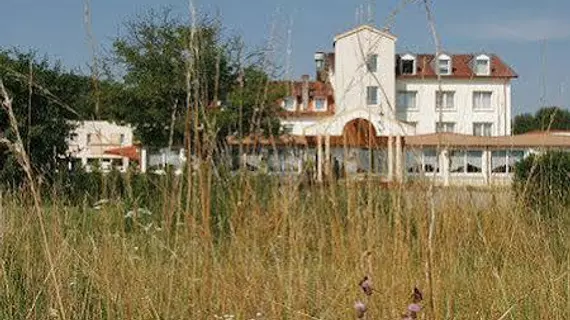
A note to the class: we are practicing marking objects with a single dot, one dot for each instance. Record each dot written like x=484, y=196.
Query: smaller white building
x=101, y=143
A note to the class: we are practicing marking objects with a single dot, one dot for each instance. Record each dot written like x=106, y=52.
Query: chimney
x=305, y=92
x=320, y=66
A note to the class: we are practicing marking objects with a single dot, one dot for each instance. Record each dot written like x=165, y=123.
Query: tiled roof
x=283, y=140
x=317, y=89
x=527, y=140
x=461, y=65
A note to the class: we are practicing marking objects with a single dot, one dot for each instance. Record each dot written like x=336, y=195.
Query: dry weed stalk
x=17, y=147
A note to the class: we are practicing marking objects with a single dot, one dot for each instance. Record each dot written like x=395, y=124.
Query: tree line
x=176, y=82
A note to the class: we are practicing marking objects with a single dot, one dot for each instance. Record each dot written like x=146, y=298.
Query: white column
x=125, y=163
x=319, y=158
x=328, y=155
x=485, y=166
x=399, y=160
x=444, y=160
x=390, y=158
x=143, y=160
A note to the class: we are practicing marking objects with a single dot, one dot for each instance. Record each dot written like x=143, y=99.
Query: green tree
x=252, y=105
x=553, y=118
x=42, y=110
x=176, y=74
x=153, y=53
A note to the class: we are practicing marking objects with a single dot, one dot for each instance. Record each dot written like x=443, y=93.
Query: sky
x=533, y=37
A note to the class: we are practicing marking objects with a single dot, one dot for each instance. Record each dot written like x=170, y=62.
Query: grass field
x=271, y=249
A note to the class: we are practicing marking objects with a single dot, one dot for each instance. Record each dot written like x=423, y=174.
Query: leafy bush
x=543, y=181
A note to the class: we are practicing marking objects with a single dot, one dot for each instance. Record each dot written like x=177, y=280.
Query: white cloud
x=522, y=30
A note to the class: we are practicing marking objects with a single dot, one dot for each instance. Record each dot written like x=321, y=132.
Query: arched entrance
x=359, y=148
x=360, y=133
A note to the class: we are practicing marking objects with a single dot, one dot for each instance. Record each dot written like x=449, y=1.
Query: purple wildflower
x=414, y=307
x=360, y=309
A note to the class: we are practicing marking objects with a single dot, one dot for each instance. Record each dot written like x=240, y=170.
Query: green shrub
x=543, y=182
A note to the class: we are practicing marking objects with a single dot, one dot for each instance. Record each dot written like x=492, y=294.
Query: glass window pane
x=498, y=161
x=514, y=157
x=474, y=161
x=406, y=100
x=457, y=164
x=372, y=95
x=431, y=162
x=320, y=104
x=482, y=100
x=413, y=161
x=372, y=63
x=407, y=66
x=482, y=67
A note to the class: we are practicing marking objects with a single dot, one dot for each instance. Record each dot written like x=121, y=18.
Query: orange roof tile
x=461, y=65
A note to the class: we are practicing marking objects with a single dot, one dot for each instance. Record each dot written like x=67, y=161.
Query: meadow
x=257, y=247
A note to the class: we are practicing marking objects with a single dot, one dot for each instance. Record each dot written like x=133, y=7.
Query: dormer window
x=372, y=63
x=482, y=65
x=444, y=65
x=320, y=104
x=290, y=103
x=408, y=65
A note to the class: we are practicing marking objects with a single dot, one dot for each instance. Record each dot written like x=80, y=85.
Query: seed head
x=417, y=296
x=366, y=286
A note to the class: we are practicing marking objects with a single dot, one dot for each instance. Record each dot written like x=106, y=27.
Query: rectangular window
x=474, y=161
x=430, y=161
x=88, y=138
x=482, y=100
x=514, y=157
x=457, y=161
x=505, y=161
x=320, y=104
x=408, y=66
x=122, y=139
x=444, y=66
x=371, y=95
x=290, y=104
x=372, y=63
x=466, y=161
x=482, y=67
x=499, y=162
x=445, y=100
x=413, y=161
x=445, y=127
x=483, y=129
x=407, y=100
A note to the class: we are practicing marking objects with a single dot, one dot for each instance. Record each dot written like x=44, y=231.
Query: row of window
x=461, y=161
x=319, y=104
x=481, y=65
x=89, y=139
x=479, y=128
x=444, y=100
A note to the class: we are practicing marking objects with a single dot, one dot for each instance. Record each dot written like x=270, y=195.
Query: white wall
x=351, y=76
x=104, y=136
x=463, y=115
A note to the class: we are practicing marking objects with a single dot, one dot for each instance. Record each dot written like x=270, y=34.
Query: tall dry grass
x=278, y=250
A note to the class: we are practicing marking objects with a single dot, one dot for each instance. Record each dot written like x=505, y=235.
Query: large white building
x=400, y=94
x=403, y=116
